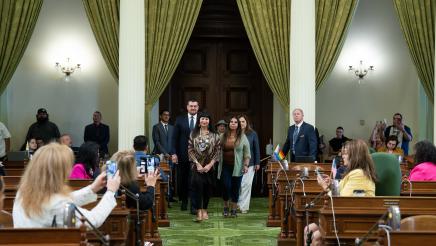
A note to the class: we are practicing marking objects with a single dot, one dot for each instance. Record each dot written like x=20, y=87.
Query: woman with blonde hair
x=43, y=193
x=127, y=168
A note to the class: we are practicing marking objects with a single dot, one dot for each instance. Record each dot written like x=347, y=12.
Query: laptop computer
x=18, y=156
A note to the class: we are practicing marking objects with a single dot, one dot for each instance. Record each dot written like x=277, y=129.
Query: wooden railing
x=418, y=188
x=44, y=236
x=354, y=216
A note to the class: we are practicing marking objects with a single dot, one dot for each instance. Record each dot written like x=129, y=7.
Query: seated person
x=360, y=175
x=391, y=146
x=336, y=143
x=42, y=193
x=66, y=140
x=33, y=146
x=87, y=162
x=128, y=173
x=141, y=147
x=425, y=157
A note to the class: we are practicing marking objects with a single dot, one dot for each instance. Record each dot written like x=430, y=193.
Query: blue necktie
x=294, y=139
x=191, y=123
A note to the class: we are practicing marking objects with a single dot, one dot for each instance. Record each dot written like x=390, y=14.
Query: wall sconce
x=361, y=71
x=67, y=68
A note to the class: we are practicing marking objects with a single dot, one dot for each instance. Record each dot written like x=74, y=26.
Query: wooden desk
x=14, y=171
x=11, y=185
x=164, y=186
x=292, y=226
x=15, y=164
x=274, y=191
x=407, y=238
x=356, y=215
x=44, y=236
x=418, y=188
x=77, y=184
x=150, y=228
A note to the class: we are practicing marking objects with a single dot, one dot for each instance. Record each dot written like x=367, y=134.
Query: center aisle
x=247, y=229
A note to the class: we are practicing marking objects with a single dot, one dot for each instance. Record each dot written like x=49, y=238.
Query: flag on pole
x=334, y=168
x=278, y=153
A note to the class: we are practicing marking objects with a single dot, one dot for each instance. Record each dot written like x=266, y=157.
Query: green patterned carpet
x=247, y=229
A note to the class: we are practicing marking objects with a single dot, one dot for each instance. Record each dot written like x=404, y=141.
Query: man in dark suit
x=98, y=132
x=182, y=130
x=301, y=139
x=162, y=138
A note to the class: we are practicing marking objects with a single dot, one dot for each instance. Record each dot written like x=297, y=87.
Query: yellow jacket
x=397, y=150
x=356, y=180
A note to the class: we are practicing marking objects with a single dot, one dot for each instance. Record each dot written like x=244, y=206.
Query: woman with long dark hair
x=204, y=151
x=86, y=162
x=359, y=177
x=253, y=166
x=234, y=162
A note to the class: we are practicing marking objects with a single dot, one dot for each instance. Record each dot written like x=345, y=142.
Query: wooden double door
x=224, y=76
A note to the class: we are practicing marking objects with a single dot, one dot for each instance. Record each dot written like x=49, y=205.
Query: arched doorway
x=219, y=69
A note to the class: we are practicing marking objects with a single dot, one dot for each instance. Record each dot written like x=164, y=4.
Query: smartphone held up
x=111, y=169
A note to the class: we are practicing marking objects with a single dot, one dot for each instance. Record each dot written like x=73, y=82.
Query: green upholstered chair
x=388, y=173
x=371, y=150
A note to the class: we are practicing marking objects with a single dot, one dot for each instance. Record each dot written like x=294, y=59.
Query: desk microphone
x=304, y=174
x=392, y=217
x=70, y=219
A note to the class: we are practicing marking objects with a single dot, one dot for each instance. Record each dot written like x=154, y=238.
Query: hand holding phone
x=99, y=182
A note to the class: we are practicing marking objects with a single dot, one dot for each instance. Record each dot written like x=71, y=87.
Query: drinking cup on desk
x=400, y=159
x=305, y=172
x=285, y=164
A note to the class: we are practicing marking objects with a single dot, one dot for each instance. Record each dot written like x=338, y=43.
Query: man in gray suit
x=162, y=138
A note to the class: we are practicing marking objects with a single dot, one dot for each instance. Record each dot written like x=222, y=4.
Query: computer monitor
x=18, y=156
x=304, y=159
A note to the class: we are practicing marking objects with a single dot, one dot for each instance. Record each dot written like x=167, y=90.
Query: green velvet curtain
x=333, y=17
x=17, y=22
x=417, y=22
x=104, y=17
x=169, y=25
x=268, y=26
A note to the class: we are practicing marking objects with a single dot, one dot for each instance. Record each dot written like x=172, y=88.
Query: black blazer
x=163, y=141
x=98, y=134
x=146, y=199
x=181, y=137
x=306, y=144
